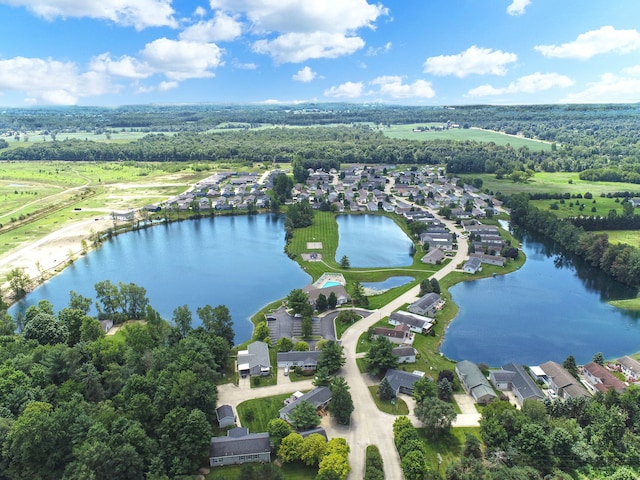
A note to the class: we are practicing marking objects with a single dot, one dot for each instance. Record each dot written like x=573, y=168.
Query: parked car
x=286, y=371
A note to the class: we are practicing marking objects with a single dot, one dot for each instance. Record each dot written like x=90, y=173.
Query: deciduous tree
x=380, y=356
x=304, y=416
x=436, y=415
x=331, y=356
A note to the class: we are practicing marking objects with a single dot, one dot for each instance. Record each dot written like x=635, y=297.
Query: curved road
x=368, y=424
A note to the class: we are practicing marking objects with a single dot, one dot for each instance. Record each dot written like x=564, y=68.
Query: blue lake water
x=372, y=241
x=235, y=261
x=390, y=282
x=553, y=307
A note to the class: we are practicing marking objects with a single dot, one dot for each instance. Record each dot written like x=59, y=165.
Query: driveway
x=469, y=416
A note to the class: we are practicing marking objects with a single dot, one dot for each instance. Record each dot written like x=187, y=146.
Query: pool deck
x=338, y=278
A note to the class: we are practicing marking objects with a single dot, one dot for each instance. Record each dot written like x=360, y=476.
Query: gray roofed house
x=630, y=367
x=405, y=354
x=319, y=397
x=515, y=378
x=561, y=381
x=314, y=292
x=238, y=447
x=474, y=382
x=402, y=382
x=416, y=323
x=472, y=265
x=434, y=256
x=254, y=360
x=304, y=360
x=428, y=304
x=225, y=416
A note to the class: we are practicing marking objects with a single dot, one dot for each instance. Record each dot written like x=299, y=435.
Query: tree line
x=75, y=403
x=620, y=261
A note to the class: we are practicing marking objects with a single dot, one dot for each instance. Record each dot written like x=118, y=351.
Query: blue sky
x=413, y=52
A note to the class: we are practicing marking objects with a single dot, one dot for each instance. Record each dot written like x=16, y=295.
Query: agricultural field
x=406, y=132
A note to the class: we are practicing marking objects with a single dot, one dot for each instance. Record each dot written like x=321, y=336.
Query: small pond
x=387, y=284
x=371, y=241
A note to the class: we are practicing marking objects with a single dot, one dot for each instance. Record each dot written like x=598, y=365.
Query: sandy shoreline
x=48, y=256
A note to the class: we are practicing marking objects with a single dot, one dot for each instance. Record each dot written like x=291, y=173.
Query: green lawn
x=572, y=207
x=555, y=182
x=290, y=471
x=255, y=414
x=395, y=407
x=630, y=237
x=460, y=134
x=449, y=446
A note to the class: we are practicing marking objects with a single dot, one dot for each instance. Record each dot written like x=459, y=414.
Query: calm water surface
x=552, y=307
x=235, y=261
x=372, y=241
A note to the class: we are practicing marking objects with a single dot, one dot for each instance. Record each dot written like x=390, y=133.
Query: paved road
x=368, y=424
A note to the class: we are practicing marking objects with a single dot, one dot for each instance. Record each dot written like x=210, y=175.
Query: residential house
x=441, y=240
x=599, y=378
x=495, y=260
x=225, y=416
x=427, y=305
x=319, y=397
x=304, y=360
x=401, y=334
x=402, y=382
x=254, y=360
x=515, y=378
x=434, y=256
x=630, y=367
x=474, y=382
x=405, y=354
x=416, y=323
x=238, y=447
x=560, y=381
x=472, y=265
x=314, y=292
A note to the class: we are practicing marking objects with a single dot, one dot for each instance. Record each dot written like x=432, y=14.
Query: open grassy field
x=555, y=182
x=255, y=414
x=38, y=198
x=630, y=237
x=476, y=134
x=449, y=446
x=597, y=206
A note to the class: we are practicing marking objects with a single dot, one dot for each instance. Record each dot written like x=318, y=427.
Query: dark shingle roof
x=247, y=444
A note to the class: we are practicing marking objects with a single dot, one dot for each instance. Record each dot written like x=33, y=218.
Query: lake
x=235, y=261
x=553, y=307
x=371, y=241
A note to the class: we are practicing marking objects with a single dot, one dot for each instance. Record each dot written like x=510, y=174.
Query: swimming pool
x=330, y=283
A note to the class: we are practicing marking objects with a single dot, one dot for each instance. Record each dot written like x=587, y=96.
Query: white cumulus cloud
x=298, y=30
x=517, y=7
x=221, y=28
x=299, y=47
x=595, y=42
x=533, y=83
x=393, y=87
x=179, y=60
x=346, y=90
x=374, y=51
x=474, y=60
x=610, y=88
x=51, y=82
x=125, y=66
x=304, y=75
x=138, y=13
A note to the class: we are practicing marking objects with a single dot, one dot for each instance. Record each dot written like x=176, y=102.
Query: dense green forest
x=602, y=139
x=140, y=404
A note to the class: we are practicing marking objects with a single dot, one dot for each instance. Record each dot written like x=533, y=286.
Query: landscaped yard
x=255, y=414
x=397, y=406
